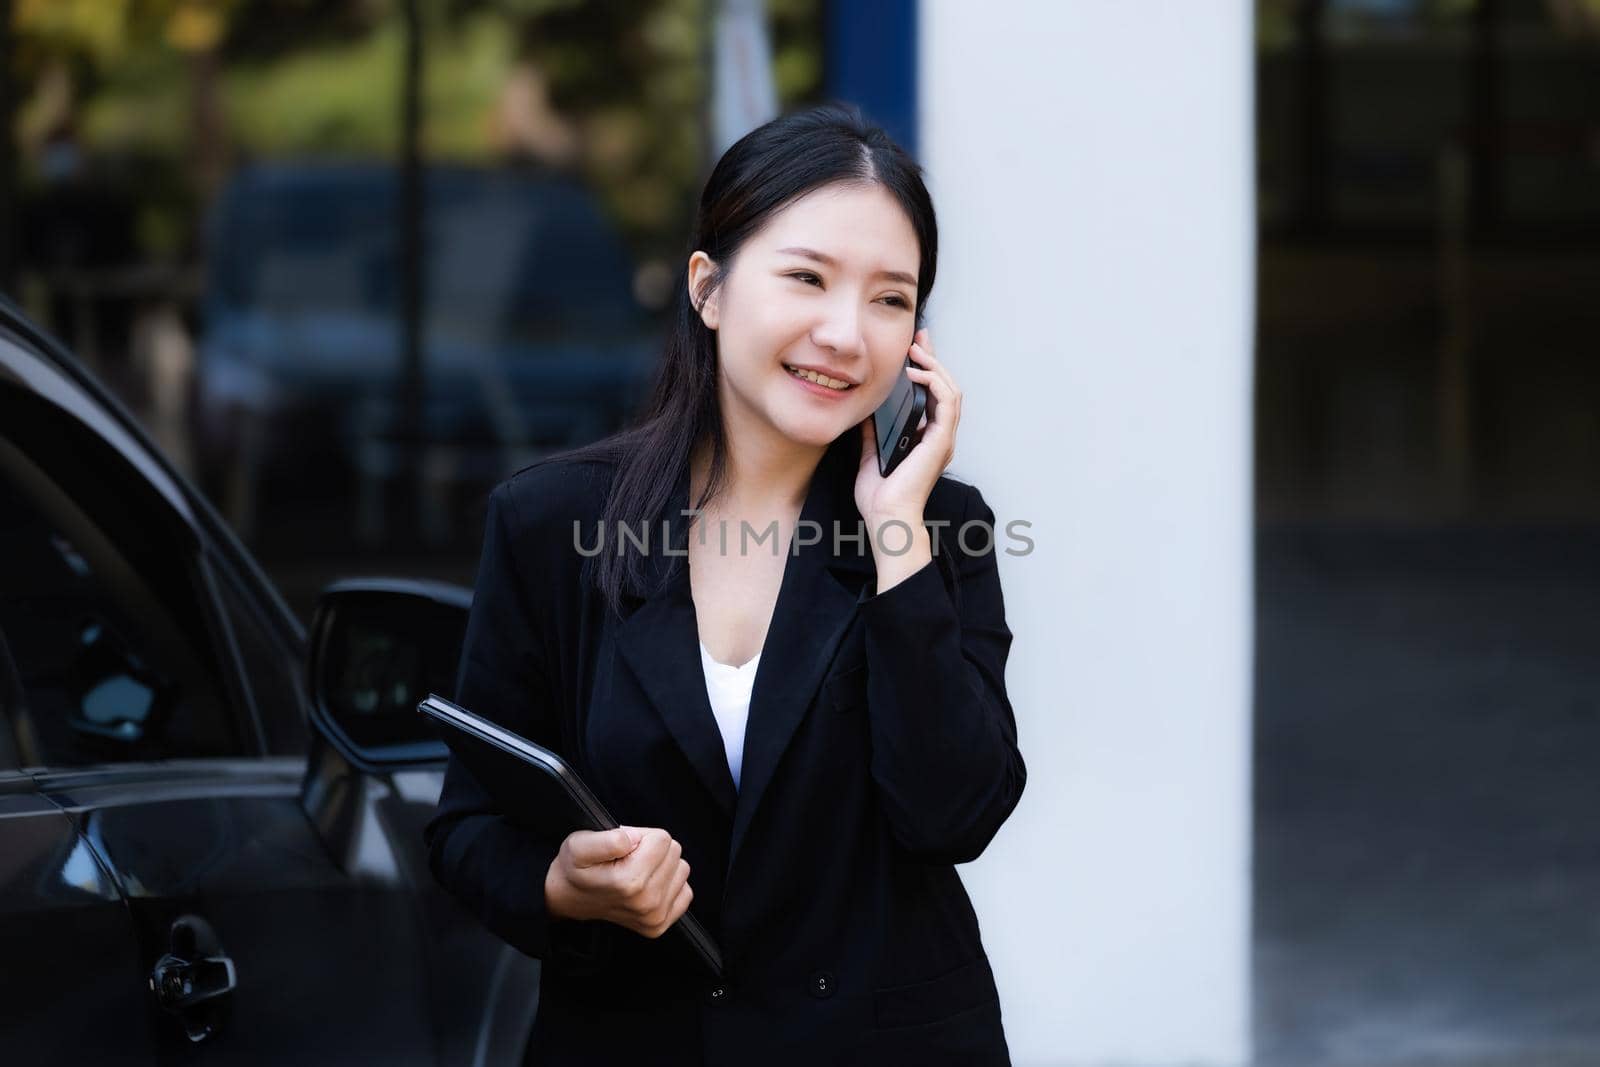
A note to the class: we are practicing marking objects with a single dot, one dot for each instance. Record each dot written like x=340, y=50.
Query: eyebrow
x=811, y=253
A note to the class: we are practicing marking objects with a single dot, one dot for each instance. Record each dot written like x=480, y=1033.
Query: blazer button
x=717, y=994
x=821, y=985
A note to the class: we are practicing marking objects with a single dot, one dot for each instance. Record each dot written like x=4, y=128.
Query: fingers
x=944, y=396
x=944, y=401
x=661, y=873
x=635, y=876
x=926, y=362
x=922, y=354
x=651, y=908
x=926, y=366
x=672, y=901
x=589, y=848
x=923, y=343
x=649, y=880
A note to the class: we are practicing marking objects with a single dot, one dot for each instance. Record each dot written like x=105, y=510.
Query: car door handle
x=192, y=975
x=180, y=984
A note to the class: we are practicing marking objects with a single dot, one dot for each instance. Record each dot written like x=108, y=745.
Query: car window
x=100, y=604
x=10, y=700
x=272, y=669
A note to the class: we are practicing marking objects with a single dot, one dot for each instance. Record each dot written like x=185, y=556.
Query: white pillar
x=1091, y=162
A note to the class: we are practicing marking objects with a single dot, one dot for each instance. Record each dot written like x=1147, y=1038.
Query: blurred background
x=1427, y=418
x=354, y=261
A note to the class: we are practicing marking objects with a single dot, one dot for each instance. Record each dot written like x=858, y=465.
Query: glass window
x=272, y=669
x=99, y=605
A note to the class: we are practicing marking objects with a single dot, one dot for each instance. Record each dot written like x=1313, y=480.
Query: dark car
x=211, y=825
x=532, y=338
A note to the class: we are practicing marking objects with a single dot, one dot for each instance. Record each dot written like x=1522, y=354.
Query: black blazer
x=880, y=750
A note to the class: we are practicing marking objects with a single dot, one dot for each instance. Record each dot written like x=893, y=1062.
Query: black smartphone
x=896, y=421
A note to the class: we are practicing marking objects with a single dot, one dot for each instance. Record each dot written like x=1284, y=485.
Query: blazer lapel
x=660, y=641
x=816, y=602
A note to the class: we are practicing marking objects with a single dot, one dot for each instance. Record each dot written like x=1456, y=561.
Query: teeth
x=820, y=379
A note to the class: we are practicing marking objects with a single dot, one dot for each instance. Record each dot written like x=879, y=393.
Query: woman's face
x=829, y=284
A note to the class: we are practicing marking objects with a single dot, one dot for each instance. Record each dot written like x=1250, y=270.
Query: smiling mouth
x=820, y=379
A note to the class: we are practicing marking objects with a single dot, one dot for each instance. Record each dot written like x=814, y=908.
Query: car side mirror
x=378, y=646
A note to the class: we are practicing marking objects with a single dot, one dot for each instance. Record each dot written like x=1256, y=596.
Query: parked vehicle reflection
x=532, y=338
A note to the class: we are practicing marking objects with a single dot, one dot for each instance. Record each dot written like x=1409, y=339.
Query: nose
x=839, y=328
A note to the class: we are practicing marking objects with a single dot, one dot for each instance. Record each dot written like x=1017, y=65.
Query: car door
x=253, y=940
x=68, y=946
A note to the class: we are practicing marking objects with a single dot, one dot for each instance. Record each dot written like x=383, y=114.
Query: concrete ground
x=1427, y=845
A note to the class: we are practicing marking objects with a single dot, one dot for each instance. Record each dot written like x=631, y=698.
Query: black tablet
x=536, y=789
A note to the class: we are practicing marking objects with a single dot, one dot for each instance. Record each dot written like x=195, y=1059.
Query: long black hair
x=762, y=173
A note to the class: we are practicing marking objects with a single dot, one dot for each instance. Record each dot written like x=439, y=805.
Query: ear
x=701, y=267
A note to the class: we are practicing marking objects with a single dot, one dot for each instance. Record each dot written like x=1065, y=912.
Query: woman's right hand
x=633, y=876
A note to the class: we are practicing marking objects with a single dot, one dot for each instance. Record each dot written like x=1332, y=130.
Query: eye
x=896, y=300
x=803, y=275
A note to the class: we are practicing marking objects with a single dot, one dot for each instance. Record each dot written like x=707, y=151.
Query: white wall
x=1091, y=161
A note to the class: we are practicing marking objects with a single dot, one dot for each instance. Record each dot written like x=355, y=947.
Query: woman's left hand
x=904, y=494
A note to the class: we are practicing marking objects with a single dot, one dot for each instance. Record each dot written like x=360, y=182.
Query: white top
x=729, y=689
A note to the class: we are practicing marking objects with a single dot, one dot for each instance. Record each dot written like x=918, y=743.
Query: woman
x=861, y=741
